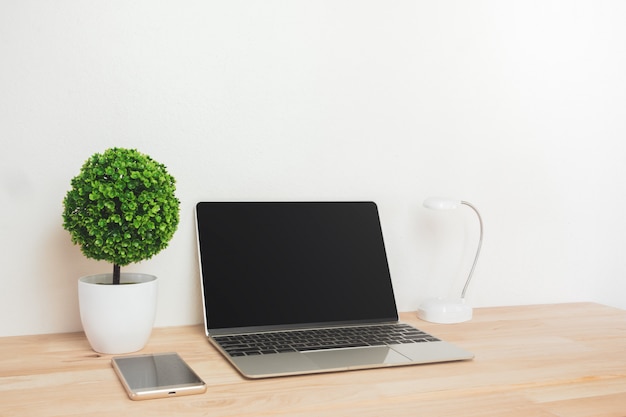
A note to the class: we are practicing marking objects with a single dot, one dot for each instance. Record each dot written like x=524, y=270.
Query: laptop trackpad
x=357, y=357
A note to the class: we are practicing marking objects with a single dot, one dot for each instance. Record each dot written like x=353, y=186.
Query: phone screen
x=156, y=376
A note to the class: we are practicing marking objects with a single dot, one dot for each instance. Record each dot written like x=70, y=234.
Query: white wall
x=518, y=107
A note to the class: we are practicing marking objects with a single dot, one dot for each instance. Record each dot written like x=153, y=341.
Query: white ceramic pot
x=117, y=318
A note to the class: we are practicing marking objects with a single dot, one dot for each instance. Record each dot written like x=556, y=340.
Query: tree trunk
x=116, y=274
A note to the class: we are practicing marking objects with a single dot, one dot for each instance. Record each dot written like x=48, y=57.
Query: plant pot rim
x=125, y=278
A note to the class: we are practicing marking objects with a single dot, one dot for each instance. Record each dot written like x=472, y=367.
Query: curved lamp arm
x=480, y=244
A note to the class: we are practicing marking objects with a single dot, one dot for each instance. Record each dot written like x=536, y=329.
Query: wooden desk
x=550, y=360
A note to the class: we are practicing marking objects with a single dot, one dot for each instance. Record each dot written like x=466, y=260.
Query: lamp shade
x=437, y=203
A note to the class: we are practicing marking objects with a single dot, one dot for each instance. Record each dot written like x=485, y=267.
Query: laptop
x=295, y=288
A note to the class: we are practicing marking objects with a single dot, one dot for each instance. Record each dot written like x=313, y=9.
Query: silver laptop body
x=277, y=270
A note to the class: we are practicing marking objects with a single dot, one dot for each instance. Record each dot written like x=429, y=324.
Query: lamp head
x=437, y=203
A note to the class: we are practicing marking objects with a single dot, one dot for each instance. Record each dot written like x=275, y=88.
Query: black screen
x=277, y=263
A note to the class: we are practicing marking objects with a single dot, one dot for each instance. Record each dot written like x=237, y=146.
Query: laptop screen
x=276, y=264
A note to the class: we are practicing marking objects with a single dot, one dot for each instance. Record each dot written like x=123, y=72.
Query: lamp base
x=445, y=311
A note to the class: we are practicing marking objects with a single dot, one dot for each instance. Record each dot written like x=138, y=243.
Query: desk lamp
x=453, y=310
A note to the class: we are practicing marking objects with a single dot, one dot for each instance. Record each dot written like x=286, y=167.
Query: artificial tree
x=121, y=208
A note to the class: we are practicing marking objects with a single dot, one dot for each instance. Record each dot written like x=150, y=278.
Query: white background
x=516, y=106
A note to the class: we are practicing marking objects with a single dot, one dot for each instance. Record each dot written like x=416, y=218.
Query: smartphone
x=157, y=375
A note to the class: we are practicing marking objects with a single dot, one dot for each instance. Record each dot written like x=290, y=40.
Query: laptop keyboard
x=318, y=339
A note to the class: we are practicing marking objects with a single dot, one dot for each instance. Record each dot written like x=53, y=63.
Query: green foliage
x=122, y=207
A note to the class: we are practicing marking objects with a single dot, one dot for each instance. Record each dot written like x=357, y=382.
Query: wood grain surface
x=544, y=360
